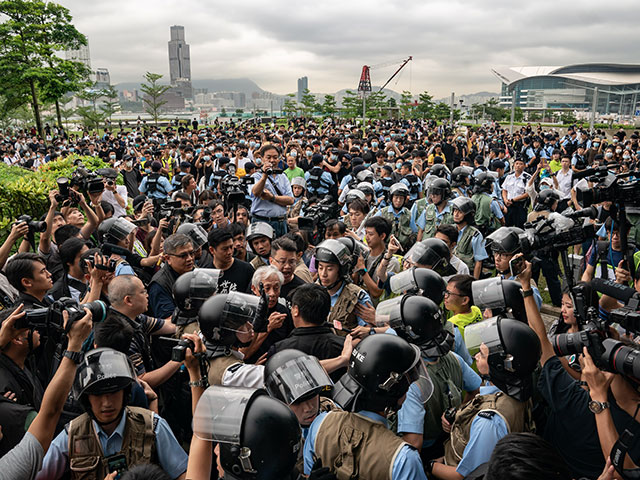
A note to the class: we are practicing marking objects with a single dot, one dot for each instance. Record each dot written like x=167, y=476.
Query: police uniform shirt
x=326, y=181
x=411, y=415
x=164, y=187
x=406, y=466
x=171, y=457
x=265, y=208
x=242, y=374
x=422, y=221
x=477, y=244
x=363, y=299
x=515, y=186
x=412, y=195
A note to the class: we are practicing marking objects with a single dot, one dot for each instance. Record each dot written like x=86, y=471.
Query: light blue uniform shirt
x=422, y=221
x=406, y=466
x=412, y=196
x=345, y=181
x=414, y=217
x=326, y=181
x=171, y=456
x=483, y=436
x=411, y=415
x=265, y=208
x=364, y=299
x=460, y=348
x=123, y=268
x=164, y=187
x=495, y=209
x=477, y=244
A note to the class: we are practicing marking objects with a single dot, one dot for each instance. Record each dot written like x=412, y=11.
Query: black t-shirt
x=287, y=288
x=571, y=427
x=132, y=180
x=237, y=278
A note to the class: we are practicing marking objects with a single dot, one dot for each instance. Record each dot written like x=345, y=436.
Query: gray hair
x=264, y=272
x=173, y=242
x=120, y=287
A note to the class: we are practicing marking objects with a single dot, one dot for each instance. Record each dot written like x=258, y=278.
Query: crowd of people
x=325, y=300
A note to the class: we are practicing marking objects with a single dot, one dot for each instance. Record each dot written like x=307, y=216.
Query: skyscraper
x=180, y=62
x=303, y=84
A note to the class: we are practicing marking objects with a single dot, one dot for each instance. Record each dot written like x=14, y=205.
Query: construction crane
x=365, y=80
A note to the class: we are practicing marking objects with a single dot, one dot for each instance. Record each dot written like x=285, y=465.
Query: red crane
x=365, y=80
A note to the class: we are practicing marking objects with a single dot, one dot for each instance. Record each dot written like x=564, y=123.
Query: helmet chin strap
x=95, y=419
x=335, y=284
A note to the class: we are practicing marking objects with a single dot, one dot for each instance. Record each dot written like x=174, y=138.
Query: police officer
x=155, y=185
x=398, y=215
x=419, y=321
x=259, y=237
x=514, y=194
x=356, y=442
x=431, y=253
x=386, y=180
x=488, y=215
x=259, y=436
x=509, y=353
x=319, y=182
x=333, y=261
x=438, y=210
x=461, y=179
x=470, y=245
x=411, y=181
x=189, y=292
x=111, y=435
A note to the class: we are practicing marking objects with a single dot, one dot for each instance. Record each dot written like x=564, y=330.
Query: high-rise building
x=303, y=84
x=103, y=79
x=180, y=62
x=80, y=55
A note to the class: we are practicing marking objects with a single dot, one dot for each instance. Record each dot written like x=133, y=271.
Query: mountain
x=244, y=85
x=470, y=98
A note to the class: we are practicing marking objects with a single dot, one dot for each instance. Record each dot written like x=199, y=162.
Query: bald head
x=122, y=286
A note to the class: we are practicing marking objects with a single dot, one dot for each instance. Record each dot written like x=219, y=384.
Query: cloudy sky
x=454, y=43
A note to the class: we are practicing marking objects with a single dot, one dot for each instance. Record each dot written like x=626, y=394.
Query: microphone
x=615, y=290
x=591, y=212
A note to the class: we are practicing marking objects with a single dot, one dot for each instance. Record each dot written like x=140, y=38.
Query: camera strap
x=620, y=449
x=275, y=187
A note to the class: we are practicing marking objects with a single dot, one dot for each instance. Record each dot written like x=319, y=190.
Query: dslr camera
x=555, y=232
x=318, y=214
x=178, y=353
x=51, y=317
x=33, y=225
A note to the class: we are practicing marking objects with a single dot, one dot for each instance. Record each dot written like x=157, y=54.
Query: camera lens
x=570, y=343
x=97, y=308
x=622, y=358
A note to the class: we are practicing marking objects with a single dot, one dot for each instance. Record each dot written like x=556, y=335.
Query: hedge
x=25, y=192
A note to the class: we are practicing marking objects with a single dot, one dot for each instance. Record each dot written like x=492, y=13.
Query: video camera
x=86, y=180
x=610, y=188
x=318, y=214
x=178, y=353
x=234, y=189
x=556, y=232
x=45, y=318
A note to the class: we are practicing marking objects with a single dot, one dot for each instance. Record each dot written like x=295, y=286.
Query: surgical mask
x=596, y=144
x=387, y=139
x=293, y=153
x=608, y=155
x=112, y=157
x=218, y=155
x=391, y=153
x=252, y=144
x=206, y=158
x=233, y=148
x=367, y=165
x=618, y=150
x=374, y=144
x=398, y=165
x=242, y=142
x=142, y=159
x=309, y=153
x=334, y=157
x=614, y=140
x=147, y=170
x=365, y=148
x=129, y=164
x=626, y=156
x=73, y=150
x=189, y=156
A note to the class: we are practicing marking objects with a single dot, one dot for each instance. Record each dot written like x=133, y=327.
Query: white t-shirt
x=108, y=196
x=564, y=182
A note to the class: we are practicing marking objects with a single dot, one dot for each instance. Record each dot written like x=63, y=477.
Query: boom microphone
x=615, y=290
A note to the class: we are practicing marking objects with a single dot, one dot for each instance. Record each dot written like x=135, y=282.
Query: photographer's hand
x=623, y=277
x=191, y=362
x=7, y=330
x=597, y=380
x=525, y=275
x=79, y=331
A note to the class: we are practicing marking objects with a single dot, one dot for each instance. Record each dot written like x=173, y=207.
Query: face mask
x=252, y=144
x=391, y=153
x=618, y=150
x=293, y=153
x=147, y=170
x=309, y=153
x=142, y=159
x=129, y=164
x=374, y=144
x=398, y=165
x=206, y=158
x=615, y=140
x=387, y=139
x=608, y=155
x=367, y=165
x=334, y=157
x=112, y=157
x=365, y=148
x=242, y=142
x=258, y=161
x=596, y=144
x=233, y=149
x=189, y=156
x=218, y=155
x=626, y=156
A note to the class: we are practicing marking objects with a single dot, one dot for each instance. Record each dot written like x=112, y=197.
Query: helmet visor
x=483, y=332
x=421, y=383
x=121, y=228
x=415, y=253
x=403, y=281
x=239, y=309
x=297, y=378
x=104, y=370
x=389, y=312
x=198, y=236
x=204, y=283
x=488, y=293
x=220, y=411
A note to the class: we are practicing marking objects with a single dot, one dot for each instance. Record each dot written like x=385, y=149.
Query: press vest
x=432, y=222
x=400, y=226
x=354, y=446
x=344, y=310
x=464, y=248
x=514, y=413
x=218, y=366
x=463, y=319
x=86, y=458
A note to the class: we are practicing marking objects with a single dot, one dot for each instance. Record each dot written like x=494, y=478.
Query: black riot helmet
x=459, y=176
x=514, y=352
x=502, y=296
x=355, y=247
x=259, y=436
x=103, y=370
x=293, y=376
x=337, y=253
x=381, y=369
x=191, y=289
x=505, y=240
x=196, y=233
x=546, y=200
x=440, y=186
x=431, y=253
x=484, y=182
x=222, y=316
x=366, y=188
x=399, y=189
x=466, y=206
x=114, y=230
x=423, y=281
x=419, y=321
x=439, y=170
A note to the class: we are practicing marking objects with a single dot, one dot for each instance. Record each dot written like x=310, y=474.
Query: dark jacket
x=161, y=304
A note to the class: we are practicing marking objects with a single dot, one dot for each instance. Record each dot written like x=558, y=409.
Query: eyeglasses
x=184, y=255
x=291, y=263
x=447, y=293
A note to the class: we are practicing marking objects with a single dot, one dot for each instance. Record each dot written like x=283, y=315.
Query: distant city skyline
x=454, y=45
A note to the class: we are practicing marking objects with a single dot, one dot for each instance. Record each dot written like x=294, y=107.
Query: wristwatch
x=526, y=293
x=75, y=357
x=597, y=407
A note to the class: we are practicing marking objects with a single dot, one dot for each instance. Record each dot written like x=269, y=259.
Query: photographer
x=271, y=193
x=27, y=273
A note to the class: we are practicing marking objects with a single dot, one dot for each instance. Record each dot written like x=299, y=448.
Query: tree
x=405, y=102
x=352, y=104
x=153, y=95
x=441, y=111
x=290, y=107
x=568, y=117
x=425, y=105
x=376, y=105
x=92, y=118
x=518, y=114
x=32, y=32
x=223, y=112
x=111, y=105
x=328, y=107
x=309, y=104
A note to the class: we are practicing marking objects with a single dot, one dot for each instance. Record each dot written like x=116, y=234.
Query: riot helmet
x=484, y=182
x=259, y=436
x=424, y=281
x=337, y=253
x=419, y=321
x=102, y=371
x=440, y=186
x=399, y=189
x=380, y=371
x=546, y=200
x=223, y=315
x=459, y=176
x=353, y=194
x=259, y=229
x=356, y=248
x=502, y=297
x=466, y=206
x=505, y=240
x=439, y=170
x=365, y=176
x=196, y=233
x=191, y=289
x=293, y=376
x=114, y=230
x=431, y=253
x=514, y=352
x=366, y=188
x=299, y=181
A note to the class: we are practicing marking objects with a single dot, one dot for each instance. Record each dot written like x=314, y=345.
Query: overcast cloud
x=454, y=43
